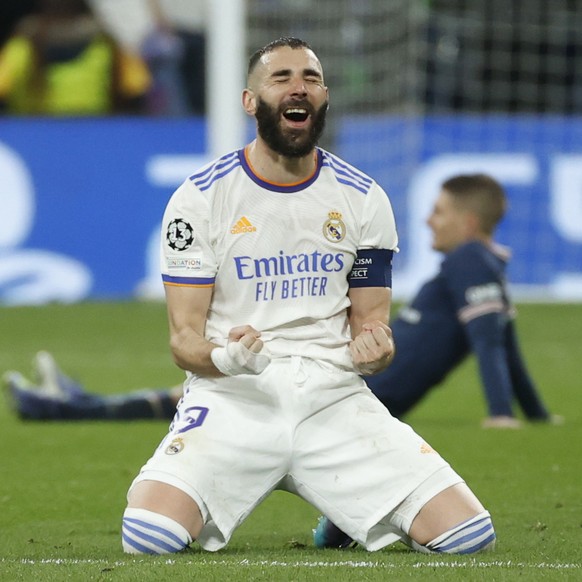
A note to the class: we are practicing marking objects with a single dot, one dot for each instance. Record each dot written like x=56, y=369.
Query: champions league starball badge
x=180, y=235
x=334, y=228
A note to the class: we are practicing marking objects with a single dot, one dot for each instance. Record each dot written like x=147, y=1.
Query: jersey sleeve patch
x=180, y=235
x=372, y=268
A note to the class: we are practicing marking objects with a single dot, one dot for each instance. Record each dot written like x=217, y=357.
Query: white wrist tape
x=235, y=359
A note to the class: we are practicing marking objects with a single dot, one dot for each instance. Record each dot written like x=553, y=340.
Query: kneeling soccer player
x=274, y=397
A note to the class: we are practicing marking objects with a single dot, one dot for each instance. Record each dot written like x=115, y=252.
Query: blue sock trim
x=465, y=538
x=152, y=539
x=457, y=538
x=137, y=546
x=152, y=527
x=479, y=546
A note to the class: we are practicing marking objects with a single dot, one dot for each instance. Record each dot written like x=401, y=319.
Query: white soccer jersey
x=279, y=256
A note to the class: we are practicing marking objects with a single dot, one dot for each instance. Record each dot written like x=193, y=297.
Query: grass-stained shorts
x=302, y=426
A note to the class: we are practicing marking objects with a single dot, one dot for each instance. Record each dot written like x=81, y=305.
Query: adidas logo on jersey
x=243, y=225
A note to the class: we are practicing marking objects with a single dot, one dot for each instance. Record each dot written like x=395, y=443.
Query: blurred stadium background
x=420, y=90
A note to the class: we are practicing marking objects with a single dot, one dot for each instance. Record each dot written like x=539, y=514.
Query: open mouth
x=296, y=114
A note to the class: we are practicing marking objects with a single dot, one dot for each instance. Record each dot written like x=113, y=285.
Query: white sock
x=147, y=532
x=474, y=535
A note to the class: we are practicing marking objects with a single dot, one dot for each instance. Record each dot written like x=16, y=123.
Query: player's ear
x=249, y=101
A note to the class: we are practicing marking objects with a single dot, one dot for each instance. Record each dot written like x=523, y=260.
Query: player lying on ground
x=464, y=309
x=274, y=328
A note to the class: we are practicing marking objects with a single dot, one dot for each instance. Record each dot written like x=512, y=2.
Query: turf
x=63, y=485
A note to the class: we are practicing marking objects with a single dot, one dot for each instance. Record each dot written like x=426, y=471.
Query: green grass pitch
x=63, y=485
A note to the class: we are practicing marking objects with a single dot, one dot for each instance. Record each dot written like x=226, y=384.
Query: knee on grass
x=147, y=532
x=474, y=535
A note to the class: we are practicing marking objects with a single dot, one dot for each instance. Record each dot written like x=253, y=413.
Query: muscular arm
x=372, y=347
x=187, y=311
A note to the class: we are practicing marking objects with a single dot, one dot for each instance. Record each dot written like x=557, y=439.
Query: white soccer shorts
x=302, y=426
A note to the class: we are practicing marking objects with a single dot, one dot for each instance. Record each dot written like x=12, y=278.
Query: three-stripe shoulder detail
x=346, y=174
x=216, y=170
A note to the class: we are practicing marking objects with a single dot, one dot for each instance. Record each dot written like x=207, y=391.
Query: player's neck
x=485, y=239
x=274, y=167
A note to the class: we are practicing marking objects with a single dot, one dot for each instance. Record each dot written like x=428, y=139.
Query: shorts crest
x=175, y=447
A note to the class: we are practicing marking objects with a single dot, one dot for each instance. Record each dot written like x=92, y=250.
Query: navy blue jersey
x=464, y=308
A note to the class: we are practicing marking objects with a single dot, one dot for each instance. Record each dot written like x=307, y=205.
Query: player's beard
x=289, y=142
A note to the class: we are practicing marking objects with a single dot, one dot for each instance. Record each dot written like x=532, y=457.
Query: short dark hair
x=481, y=194
x=289, y=41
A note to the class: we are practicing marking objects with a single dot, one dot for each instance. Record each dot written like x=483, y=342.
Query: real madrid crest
x=334, y=228
x=175, y=447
